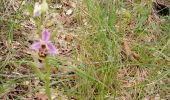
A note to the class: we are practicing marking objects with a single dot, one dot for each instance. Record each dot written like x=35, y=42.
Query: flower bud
x=44, y=6
x=37, y=10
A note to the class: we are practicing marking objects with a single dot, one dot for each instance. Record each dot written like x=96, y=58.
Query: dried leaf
x=126, y=47
x=70, y=3
x=69, y=38
x=120, y=73
x=135, y=55
x=128, y=51
x=41, y=96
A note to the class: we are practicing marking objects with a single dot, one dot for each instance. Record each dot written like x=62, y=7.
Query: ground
x=107, y=50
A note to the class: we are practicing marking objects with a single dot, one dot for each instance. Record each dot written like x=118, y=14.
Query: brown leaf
x=126, y=48
x=70, y=3
x=69, y=38
x=128, y=51
x=41, y=96
x=135, y=55
x=120, y=73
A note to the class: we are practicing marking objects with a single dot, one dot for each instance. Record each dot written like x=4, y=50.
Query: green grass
x=101, y=51
x=102, y=70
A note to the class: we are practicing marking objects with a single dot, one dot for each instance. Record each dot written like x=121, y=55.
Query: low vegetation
x=105, y=50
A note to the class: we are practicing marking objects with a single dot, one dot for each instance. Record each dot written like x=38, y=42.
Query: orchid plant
x=43, y=47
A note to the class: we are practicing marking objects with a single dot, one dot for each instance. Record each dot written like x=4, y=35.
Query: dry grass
x=105, y=51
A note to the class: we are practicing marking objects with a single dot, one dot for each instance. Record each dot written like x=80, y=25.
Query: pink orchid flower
x=45, y=43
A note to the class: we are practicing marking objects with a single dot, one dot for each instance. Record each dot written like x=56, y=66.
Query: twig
x=31, y=75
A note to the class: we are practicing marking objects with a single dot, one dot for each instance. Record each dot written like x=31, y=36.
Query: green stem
x=47, y=88
x=44, y=0
x=47, y=78
x=37, y=71
x=39, y=23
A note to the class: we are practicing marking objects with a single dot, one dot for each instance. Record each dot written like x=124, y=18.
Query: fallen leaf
x=128, y=51
x=135, y=55
x=120, y=73
x=41, y=96
x=126, y=47
x=69, y=38
x=70, y=3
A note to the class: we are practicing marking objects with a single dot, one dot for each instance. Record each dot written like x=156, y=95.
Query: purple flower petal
x=45, y=35
x=51, y=48
x=36, y=46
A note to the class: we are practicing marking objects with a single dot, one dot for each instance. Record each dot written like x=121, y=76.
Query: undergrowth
x=123, y=53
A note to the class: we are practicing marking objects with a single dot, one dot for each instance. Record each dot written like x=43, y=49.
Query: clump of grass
x=100, y=54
